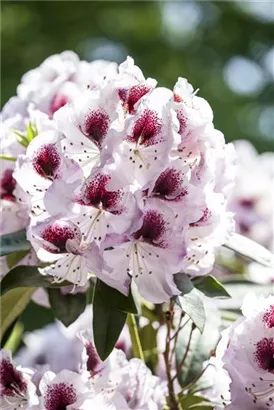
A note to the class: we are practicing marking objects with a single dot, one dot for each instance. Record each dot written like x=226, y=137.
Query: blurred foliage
x=191, y=39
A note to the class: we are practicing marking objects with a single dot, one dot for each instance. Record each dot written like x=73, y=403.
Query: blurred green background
x=224, y=48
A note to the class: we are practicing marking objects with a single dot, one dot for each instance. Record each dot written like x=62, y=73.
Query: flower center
x=58, y=234
x=146, y=129
x=8, y=185
x=168, y=185
x=133, y=96
x=59, y=396
x=47, y=161
x=95, y=193
x=264, y=354
x=96, y=126
x=12, y=381
x=153, y=228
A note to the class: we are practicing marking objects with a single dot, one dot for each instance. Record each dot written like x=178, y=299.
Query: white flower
x=60, y=242
x=41, y=165
x=150, y=255
x=16, y=389
x=64, y=390
x=88, y=124
x=248, y=356
x=252, y=198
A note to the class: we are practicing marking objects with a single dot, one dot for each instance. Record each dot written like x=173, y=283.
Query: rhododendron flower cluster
x=115, y=383
x=124, y=180
x=247, y=355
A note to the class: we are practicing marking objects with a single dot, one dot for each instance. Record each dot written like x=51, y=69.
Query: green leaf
x=210, y=286
x=107, y=326
x=12, y=305
x=15, y=338
x=193, y=402
x=251, y=250
x=148, y=337
x=32, y=131
x=109, y=317
x=21, y=139
x=28, y=276
x=67, y=308
x=13, y=242
x=190, y=301
x=7, y=158
x=114, y=299
x=15, y=257
x=201, y=346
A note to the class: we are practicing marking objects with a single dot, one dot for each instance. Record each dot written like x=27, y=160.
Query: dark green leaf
x=210, y=286
x=190, y=301
x=201, y=346
x=107, y=326
x=114, y=299
x=67, y=308
x=148, y=337
x=15, y=257
x=28, y=276
x=12, y=305
x=13, y=242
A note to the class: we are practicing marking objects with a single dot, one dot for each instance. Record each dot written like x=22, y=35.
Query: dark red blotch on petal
x=95, y=193
x=57, y=102
x=96, y=126
x=47, y=161
x=93, y=359
x=264, y=354
x=153, y=228
x=147, y=129
x=268, y=317
x=169, y=185
x=131, y=97
x=59, y=396
x=57, y=235
x=12, y=382
x=8, y=184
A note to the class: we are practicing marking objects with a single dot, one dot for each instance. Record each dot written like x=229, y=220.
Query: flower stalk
x=134, y=336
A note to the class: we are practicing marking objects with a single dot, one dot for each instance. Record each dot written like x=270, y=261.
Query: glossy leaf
x=28, y=276
x=210, y=286
x=114, y=299
x=107, y=326
x=13, y=242
x=67, y=308
x=190, y=300
x=15, y=257
x=12, y=305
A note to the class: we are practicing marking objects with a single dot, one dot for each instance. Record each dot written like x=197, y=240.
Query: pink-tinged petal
x=150, y=255
x=148, y=137
x=132, y=86
x=86, y=124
